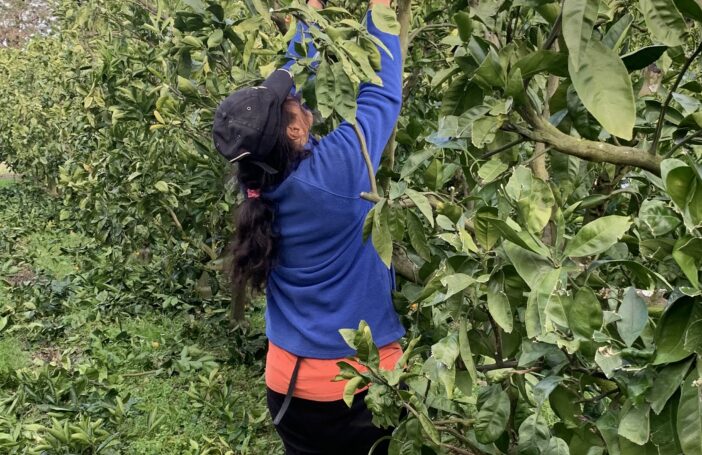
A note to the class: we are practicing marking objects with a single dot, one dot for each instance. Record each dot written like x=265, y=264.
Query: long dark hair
x=254, y=248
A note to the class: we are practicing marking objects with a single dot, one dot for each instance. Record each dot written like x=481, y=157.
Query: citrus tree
x=541, y=198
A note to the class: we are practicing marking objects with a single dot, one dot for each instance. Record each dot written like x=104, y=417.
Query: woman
x=300, y=236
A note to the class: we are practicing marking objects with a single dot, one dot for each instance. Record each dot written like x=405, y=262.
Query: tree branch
x=598, y=152
x=426, y=28
x=669, y=98
x=684, y=142
x=504, y=148
x=367, y=159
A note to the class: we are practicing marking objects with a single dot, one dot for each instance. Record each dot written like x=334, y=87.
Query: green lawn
x=78, y=374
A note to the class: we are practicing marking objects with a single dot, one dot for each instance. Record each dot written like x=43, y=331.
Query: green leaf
x=385, y=19
x=552, y=62
x=643, y=57
x=585, y=314
x=635, y=424
x=215, y=38
x=467, y=243
x=658, y=218
x=446, y=350
x=422, y=204
x=484, y=233
x=598, y=236
x=634, y=316
x=345, y=94
x=161, y=186
x=465, y=350
x=491, y=170
x=499, y=307
x=465, y=25
x=484, y=130
x=609, y=360
x=678, y=179
x=456, y=283
x=186, y=87
x=616, y=34
x=414, y=161
x=607, y=425
x=533, y=197
x=538, y=301
x=381, y=236
x=429, y=428
x=664, y=21
x=689, y=422
x=579, y=18
x=534, y=435
x=663, y=431
x=690, y=8
x=671, y=330
x=350, y=390
x=490, y=72
x=515, y=87
x=543, y=389
x=557, y=446
x=491, y=420
x=687, y=252
x=418, y=240
x=603, y=84
x=564, y=403
x=666, y=383
x=530, y=266
x=324, y=89
x=461, y=95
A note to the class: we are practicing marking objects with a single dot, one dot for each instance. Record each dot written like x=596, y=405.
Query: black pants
x=327, y=428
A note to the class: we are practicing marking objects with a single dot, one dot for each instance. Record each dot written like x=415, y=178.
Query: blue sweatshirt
x=327, y=278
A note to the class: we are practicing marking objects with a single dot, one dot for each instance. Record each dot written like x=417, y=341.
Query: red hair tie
x=253, y=194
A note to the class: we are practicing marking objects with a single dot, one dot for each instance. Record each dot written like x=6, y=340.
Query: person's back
x=300, y=233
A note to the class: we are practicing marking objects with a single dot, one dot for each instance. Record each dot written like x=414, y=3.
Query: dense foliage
x=542, y=201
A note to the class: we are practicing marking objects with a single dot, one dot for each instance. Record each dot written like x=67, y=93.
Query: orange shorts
x=315, y=378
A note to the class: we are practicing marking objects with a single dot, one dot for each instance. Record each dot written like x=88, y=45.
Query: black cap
x=247, y=122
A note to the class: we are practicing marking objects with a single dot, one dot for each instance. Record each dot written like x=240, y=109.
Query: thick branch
x=664, y=108
x=405, y=267
x=598, y=152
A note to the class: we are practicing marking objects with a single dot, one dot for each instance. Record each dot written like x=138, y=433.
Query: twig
x=598, y=397
x=555, y=31
x=669, y=98
x=464, y=422
x=454, y=433
x=366, y=157
x=684, y=142
x=426, y=28
x=504, y=148
x=499, y=359
x=142, y=373
x=486, y=368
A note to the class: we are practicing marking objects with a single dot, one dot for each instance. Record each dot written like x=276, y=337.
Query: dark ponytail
x=254, y=248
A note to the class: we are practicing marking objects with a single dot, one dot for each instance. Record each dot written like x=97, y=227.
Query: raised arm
x=379, y=107
x=302, y=32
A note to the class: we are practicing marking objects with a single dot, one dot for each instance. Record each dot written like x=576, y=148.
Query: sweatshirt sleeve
x=301, y=34
x=379, y=107
x=339, y=166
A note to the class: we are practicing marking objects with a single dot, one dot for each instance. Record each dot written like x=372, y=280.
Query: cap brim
x=280, y=82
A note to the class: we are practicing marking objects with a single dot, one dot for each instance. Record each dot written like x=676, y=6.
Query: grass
x=154, y=382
